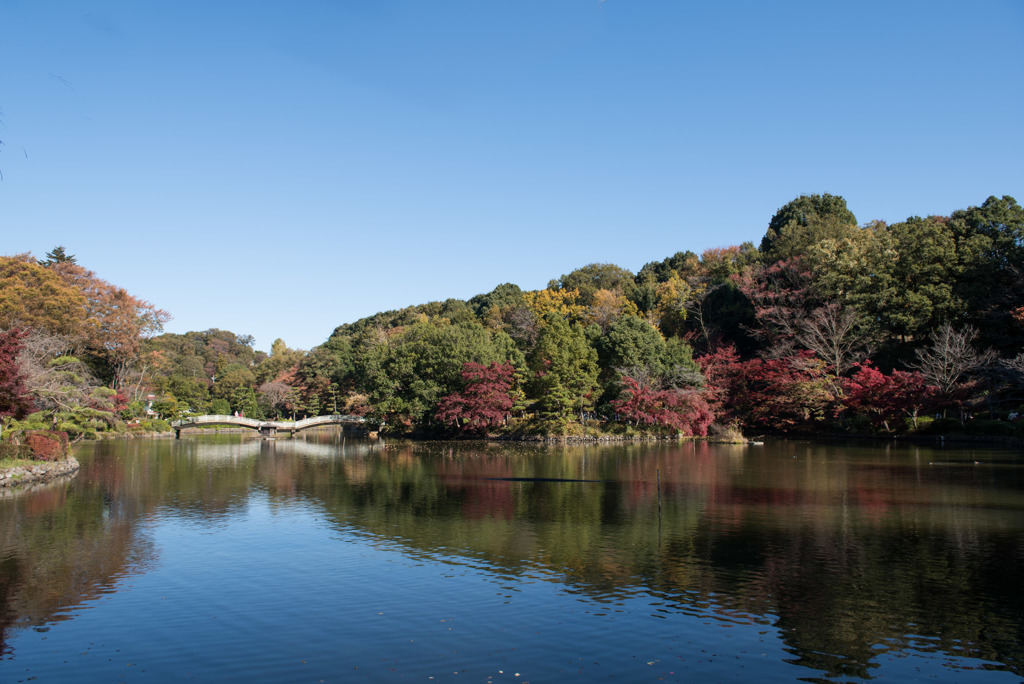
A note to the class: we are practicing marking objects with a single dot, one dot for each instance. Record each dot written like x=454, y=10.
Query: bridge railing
x=337, y=419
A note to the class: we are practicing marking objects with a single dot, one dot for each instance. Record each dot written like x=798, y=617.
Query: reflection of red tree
x=488, y=499
x=684, y=472
x=50, y=499
x=482, y=497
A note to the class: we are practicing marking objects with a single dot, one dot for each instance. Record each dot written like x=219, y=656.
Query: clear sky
x=279, y=168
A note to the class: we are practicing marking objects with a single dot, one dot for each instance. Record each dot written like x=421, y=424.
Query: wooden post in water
x=657, y=474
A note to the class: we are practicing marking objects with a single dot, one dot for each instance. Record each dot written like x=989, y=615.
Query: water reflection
x=848, y=553
x=59, y=550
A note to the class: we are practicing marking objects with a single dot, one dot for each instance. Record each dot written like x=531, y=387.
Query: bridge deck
x=266, y=426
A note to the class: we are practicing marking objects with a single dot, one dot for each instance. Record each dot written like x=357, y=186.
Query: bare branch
x=951, y=357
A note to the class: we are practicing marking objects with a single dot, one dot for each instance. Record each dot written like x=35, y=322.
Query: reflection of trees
x=71, y=541
x=58, y=549
x=844, y=557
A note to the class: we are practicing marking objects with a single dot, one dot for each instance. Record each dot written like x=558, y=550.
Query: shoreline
x=41, y=471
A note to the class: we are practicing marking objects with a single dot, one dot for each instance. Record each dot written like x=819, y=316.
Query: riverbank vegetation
x=826, y=325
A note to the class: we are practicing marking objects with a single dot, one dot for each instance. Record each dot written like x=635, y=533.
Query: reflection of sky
x=251, y=446
x=227, y=452
x=339, y=448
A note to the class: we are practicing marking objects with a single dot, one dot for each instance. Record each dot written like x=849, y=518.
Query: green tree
x=406, y=374
x=167, y=408
x=187, y=390
x=990, y=242
x=593, y=277
x=334, y=360
x=244, y=401
x=917, y=292
x=802, y=222
x=1001, y=220
x=502, y=298
x=232, y=378
x=682, y=264
x=281, y=360
x=566, y=370
x=631, y=343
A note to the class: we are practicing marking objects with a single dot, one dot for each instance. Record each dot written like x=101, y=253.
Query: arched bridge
x=267, y=428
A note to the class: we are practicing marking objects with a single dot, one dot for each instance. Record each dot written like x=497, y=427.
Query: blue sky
x=277, y=169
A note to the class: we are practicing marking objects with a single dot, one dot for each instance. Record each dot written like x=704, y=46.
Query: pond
x=327, y=558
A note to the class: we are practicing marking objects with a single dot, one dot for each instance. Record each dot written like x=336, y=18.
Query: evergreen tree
x=566, y=370
x=58, y=256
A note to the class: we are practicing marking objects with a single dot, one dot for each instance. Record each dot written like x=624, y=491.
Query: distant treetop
x=58, y=256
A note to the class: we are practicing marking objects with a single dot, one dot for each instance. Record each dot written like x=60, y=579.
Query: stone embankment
x=38, y=472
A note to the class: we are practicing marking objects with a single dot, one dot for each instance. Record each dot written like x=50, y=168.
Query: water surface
x=327, y=558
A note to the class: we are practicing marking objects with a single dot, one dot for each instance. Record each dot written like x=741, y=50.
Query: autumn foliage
x=14, y=395
x=767, y=393
x=683, y=410
x=885, y=398
x=485, y=402
x=47, y=445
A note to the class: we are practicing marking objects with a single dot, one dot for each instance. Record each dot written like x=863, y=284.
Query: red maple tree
x=486, y=401
x=886, y=397
x=683, y=410
x=769, y=393
x=15, y=399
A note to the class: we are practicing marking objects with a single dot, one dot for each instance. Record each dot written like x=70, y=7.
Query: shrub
x=47, y=445
x=14, y=451
x=134, y=409
x=726, y=433
x=924, y=423
x=155, y=425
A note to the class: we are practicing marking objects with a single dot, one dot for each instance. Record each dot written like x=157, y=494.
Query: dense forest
x=826, y=325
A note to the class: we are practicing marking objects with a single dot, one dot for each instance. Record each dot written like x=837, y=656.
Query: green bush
x=135, y=409
x=924, y=423
x=942, y=426
x=15, y=451
x=154, y=425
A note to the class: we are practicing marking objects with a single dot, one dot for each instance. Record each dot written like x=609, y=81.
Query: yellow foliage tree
x=672, y=297
x=608, y=306
x=34, y=296
x=565, y=303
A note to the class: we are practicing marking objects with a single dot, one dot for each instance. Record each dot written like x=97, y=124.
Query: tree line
x=827, y=324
